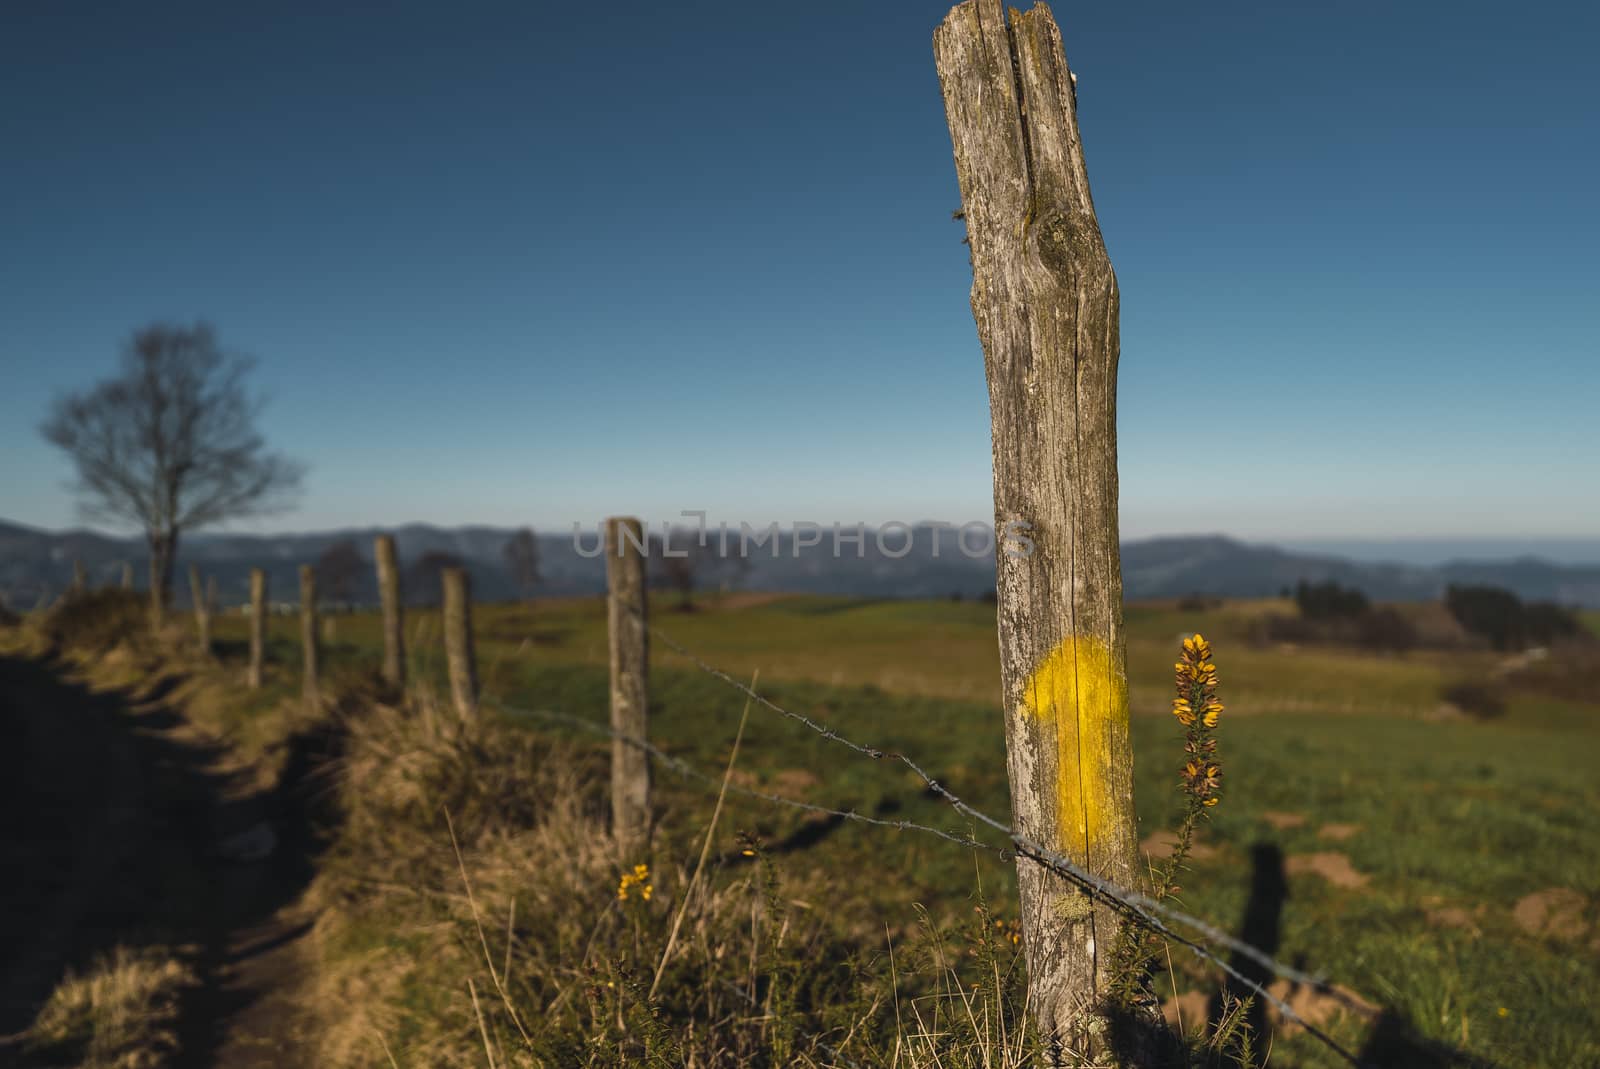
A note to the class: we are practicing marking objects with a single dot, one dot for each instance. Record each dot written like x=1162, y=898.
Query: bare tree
x=687, y=560
x=170, y=444
x=426, y=577
x=680, y=560
x=339, y=568
x=521, y=552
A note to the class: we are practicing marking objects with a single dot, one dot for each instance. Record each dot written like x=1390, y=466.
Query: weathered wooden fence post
x=80, y=580
x=630, y=684
x=459, y=657
x=1045, y=300
x=158, y=593
x=202, y=610
x=310, y=644
x=394, y=625
x=127, y=575
x=258, y=626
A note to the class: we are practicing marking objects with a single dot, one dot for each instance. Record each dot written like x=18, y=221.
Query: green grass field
x=935, y=649
x=1445, y=868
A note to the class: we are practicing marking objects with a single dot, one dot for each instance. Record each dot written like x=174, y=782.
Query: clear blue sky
x=519, y=262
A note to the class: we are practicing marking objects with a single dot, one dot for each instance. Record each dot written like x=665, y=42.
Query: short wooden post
x=310, y=641
x=202, y=610
x=458, y=653
x=160, y=583
x=80, y=580
x=1045, y=300
x=630, y=684
x=394, y=626
x=127, y=575
x=258, y=627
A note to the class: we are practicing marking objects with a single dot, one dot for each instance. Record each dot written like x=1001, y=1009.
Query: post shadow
x=1262, y=928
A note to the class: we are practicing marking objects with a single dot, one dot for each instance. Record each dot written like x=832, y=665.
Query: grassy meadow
x=1441, y=865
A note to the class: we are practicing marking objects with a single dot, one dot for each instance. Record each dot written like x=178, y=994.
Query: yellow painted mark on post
x=1078, y=692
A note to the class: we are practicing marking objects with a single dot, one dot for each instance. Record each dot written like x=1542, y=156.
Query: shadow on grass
x=1393, y=1042
x=1261, y=927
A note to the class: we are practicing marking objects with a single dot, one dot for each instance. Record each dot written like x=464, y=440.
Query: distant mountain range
x=35, y=564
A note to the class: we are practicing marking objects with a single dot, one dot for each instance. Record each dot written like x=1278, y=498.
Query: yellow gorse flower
x=1196, y=707
x=635, y=882
x=1009, y=930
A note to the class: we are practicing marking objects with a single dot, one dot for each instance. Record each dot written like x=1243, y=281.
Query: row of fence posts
x=627, y=627
x=457, y=612
x=80, y=577
x=628, y=642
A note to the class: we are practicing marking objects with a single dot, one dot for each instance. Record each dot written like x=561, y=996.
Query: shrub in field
x=1546, y=623
x=1488, y=612
x=1383, y=629
x=1386, y=629
x=1508, y=624
x=1277, y=627
x=1329, y=601
x=1475, y=697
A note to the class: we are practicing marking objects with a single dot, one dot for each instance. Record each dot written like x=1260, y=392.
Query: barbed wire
x=1148, y=911
x=688, y=771
x=1126, y=899
x=1031, y=849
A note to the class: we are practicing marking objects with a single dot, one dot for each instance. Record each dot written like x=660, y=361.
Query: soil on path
x=128, y=826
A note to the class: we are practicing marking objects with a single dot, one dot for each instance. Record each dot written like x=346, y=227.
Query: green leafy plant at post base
x=1197, y=709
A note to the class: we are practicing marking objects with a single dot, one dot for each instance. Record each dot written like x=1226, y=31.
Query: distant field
x=943, y=649
x=1442, y=866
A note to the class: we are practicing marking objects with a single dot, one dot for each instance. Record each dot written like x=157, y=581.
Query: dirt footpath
x=124, y=825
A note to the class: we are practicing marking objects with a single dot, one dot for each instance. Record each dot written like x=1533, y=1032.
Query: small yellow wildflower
x=1010, y=931
x=639, y=880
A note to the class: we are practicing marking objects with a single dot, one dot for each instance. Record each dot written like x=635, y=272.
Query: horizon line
x=132, y=531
